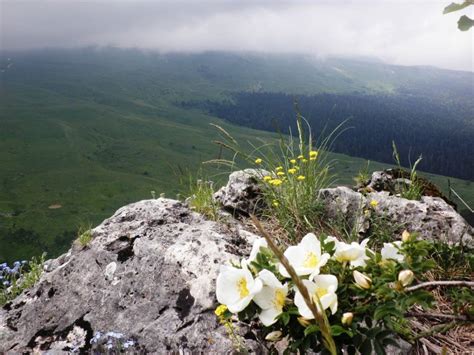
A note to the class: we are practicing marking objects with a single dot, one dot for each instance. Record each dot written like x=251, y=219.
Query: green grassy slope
x=89, y=131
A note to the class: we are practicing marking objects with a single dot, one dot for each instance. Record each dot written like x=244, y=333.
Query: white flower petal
x=264, y=299
x=258, y=243
x=269, y=279
x=240, y=305
x=268, y=316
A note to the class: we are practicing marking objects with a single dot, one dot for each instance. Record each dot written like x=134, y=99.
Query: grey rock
x=149, y=273
x=431, y=217
x=242, y=193
x=345, y=206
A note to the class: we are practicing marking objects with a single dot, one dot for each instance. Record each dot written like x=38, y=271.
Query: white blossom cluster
x=238, y=286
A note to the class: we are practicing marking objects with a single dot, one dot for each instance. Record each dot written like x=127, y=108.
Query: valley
x=84, y=132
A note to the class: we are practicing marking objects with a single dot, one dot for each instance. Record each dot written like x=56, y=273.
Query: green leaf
x=378, y=348
x=465, y=23
x=366, y=348
x=313, y=328
x=285, y=318
x=390, y=341
x=387, y=310
x=338, y=330
x=456, y=7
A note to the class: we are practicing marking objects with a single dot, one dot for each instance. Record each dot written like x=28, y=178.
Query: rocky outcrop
x=242, y=194
x=149, y=274
x=431, y=217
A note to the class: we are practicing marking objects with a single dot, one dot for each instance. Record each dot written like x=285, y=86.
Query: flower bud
x=347, y=318
x=363, y=281
x=406, y=236
x=406, y=277
x=274, y=336
x=304, y=322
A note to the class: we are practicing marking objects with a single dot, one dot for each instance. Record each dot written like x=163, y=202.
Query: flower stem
x=320, y=317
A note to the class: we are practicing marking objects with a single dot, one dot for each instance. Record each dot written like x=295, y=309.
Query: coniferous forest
x=440, y=132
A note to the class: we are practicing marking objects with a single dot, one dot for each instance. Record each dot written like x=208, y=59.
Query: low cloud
x=399, y=32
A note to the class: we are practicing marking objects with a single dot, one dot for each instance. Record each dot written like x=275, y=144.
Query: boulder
x=148, y=273
x=242, y=194
x=431, y=217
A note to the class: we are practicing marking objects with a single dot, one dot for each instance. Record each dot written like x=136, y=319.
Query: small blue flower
x=16, y=263
x=6, y=283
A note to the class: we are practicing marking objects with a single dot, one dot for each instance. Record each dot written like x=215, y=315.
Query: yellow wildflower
x=313, y=154
x=220, y=310
x=258, y=161
x=280, y=173
x=292, y=171
x=300, y=157
x=374, y=203
x=276, y=203
x=301, y=177
x=267, y=178
x=293, y=161
x=304, y=160
x=279, y=168
x=276, y=182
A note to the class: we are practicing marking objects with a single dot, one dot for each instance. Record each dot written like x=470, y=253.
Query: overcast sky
x=407, y=32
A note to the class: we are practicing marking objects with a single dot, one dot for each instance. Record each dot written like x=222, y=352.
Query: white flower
x=257, y=244
x=324, y=287
x=363, y=281
x=406, y=277
x=305, y=257
x=271, y=298
x=354, y=253
x=236, y=287
x=390, y=251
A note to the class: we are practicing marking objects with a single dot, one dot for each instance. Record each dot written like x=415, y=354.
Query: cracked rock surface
x=242, y=194
x=149, y=273
x=431, y=217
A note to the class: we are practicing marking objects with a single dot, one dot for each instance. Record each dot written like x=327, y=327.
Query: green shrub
x=84, y=235
x=298, y=169
x=201, y=198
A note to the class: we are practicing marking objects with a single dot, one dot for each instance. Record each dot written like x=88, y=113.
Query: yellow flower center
x=311, y=260
x=321, y=291
x=242, y=286
x=279, y=300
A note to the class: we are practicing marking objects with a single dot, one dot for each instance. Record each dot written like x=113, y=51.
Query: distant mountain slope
x=83, y=132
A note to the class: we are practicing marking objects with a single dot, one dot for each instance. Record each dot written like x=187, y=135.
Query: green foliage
x=363, y=176
x=26, y=278
x=378, y=312
x=414, y=189
x=84, y=235
x=297, y=171
x=464, y=23
x=201, y=200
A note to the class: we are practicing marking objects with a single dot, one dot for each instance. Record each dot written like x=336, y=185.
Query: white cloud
x=401, y=32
